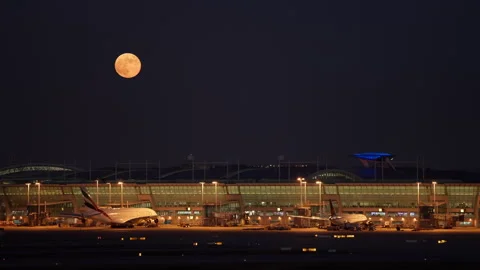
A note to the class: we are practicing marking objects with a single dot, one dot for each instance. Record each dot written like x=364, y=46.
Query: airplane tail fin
x=332, y=210
x=88, y=199
x=90, y=203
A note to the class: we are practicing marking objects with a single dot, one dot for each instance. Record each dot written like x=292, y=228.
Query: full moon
x=128, y=65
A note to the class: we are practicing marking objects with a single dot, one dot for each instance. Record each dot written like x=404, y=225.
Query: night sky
x=240, y=79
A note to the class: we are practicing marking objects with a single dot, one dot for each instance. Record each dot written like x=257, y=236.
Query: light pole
x=121, y=194
x=38, y=202
x=320, y=208
x=300, y=179
x=216, y=208
x=109, y=193
x=434, y=197
x=216, y=194
x=28, y=193
x=305, y=192
x=418, y=195
x=97, y=190
x=202, y=183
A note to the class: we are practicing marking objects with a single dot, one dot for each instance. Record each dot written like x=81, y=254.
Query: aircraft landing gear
x=124, y=225
x=151, y=223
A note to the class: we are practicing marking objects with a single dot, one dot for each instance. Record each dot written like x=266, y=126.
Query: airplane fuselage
x=119, y=215
x=341, y=219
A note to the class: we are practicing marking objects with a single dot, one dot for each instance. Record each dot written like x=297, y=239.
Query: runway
x=232, y=247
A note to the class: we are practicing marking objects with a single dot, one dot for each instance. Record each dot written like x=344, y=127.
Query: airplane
x=345, y=221
x=120, y=217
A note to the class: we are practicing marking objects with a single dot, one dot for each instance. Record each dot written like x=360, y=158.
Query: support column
x=476, y=210
x=6, y=201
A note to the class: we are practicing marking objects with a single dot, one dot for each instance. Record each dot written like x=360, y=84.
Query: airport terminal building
x=229, y=194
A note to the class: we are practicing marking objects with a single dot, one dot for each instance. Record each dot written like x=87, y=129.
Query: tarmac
x=231, y=247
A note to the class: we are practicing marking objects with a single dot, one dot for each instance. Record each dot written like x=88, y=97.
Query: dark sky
x=240, y=79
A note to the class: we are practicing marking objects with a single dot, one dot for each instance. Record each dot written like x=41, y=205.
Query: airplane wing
x=75, y=215
x=313, y=218
x=70, y=215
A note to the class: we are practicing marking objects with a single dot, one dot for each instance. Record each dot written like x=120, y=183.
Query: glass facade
x=385, y=196
x=353, y=197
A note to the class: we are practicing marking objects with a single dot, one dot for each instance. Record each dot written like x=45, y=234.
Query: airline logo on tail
x=91, y=204
x=332, y=210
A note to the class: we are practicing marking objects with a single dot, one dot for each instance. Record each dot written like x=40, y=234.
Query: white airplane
x=116, y=217
x=346, y=221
